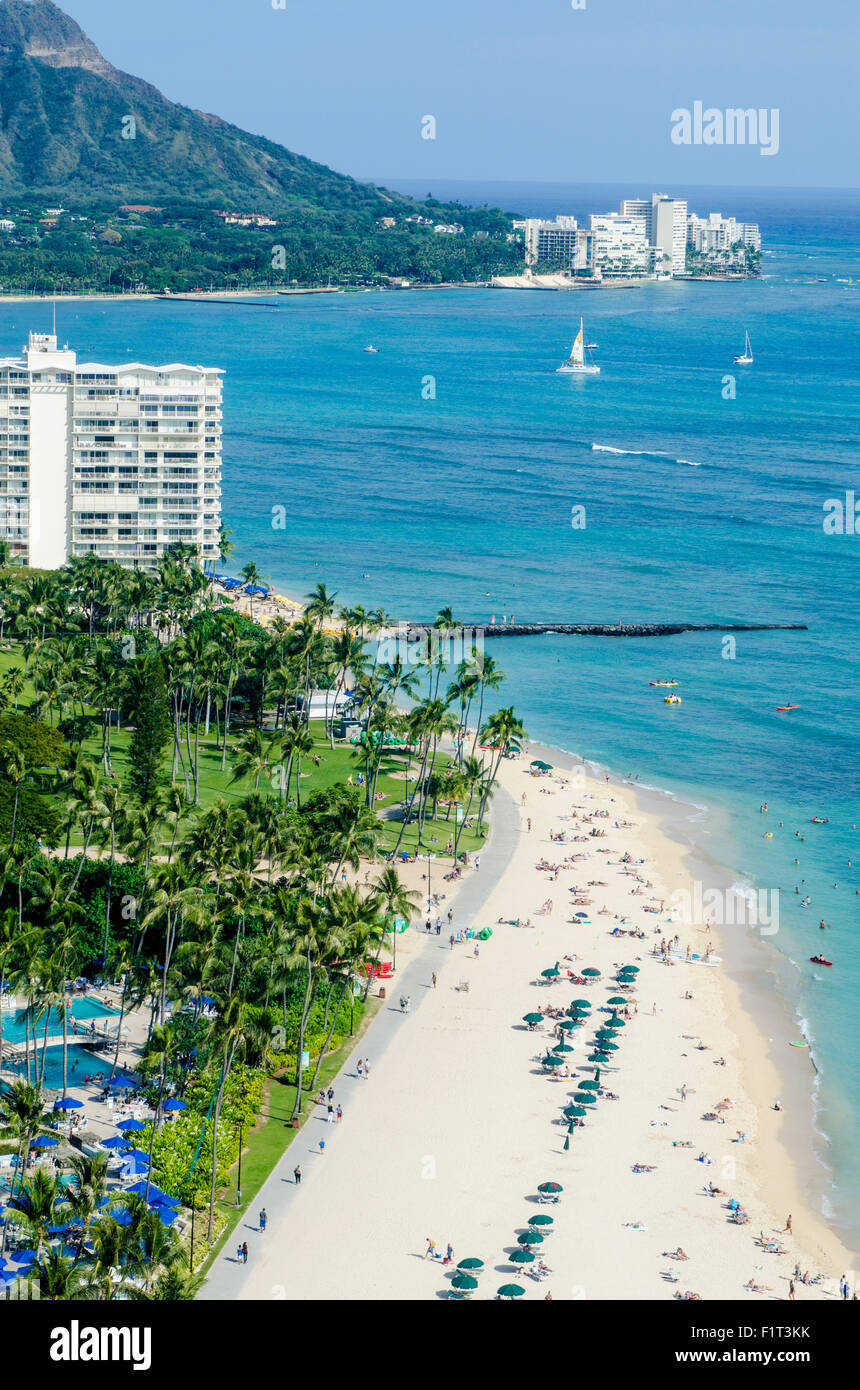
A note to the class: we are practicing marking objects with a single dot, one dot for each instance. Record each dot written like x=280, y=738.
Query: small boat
x=745, y=358
x=783, y=708
x=576, y=362
x=820, y=820
x=671, y=699
x=371, y=348
x=592, y=345
x=662, y=682
x=819, y=960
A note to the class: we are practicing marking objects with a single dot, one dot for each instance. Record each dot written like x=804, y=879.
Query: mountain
x=64, y=110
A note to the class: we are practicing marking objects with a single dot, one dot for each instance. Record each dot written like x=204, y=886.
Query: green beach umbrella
x=630, y=970
x=617, y=999
x=464, y=1281
x=590, y=970
x=550, y=1187
x=609, y=1047
x=530, y=1238
x=521, y=1257
x=604, y=1035
x=585, y=1098
x=550, y=974
x=615, y=1024
x=569, y=1024
x=510, y=1291
x=566, y=1142
x=596, y=1057
x=540, y=1220
x=589, y=1085
x=563, y=1047
x=573, y=1112
x=532, y=1018
x=547, y=767
x=551, y=1061
x=580, y=1003
x=471, y=1263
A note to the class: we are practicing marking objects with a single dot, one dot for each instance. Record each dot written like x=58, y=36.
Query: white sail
x=577, y=352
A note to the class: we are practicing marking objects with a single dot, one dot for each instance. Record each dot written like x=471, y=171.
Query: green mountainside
x=76, y=131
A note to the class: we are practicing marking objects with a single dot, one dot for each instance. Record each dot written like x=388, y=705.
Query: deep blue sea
x=704, y=501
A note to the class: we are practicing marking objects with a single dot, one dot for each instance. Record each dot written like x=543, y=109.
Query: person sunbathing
x=678, y=1254
x=752, y=1287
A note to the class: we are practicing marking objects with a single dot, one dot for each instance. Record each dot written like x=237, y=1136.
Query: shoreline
x=762, y=1016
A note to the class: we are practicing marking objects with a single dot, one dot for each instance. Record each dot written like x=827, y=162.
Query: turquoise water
x=698, y=507
x=81, y=1063
x=81, y=1010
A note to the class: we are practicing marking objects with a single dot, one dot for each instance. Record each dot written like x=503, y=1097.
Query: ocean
x=445, y=469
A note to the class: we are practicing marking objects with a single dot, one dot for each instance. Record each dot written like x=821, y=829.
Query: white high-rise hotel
x=121, y=461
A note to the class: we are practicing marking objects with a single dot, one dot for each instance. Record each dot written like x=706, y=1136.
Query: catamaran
x=576, y=361
x=746, y=357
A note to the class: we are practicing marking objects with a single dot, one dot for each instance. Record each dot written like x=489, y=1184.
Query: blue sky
x=520, y=89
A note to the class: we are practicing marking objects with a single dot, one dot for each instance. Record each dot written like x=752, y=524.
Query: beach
x=458, y=1124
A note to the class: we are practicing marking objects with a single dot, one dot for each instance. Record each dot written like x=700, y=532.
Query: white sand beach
x=458, y=1123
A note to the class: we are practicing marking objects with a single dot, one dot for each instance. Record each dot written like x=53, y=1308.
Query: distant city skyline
x=591, y=94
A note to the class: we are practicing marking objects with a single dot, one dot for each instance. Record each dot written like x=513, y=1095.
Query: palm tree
x=25, y=1106
x=491, y=679
x=503, y=733
x=392, y=899
x=13, y=770
x=237, y=1028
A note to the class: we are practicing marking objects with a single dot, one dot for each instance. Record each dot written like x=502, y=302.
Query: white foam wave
x=641, y=453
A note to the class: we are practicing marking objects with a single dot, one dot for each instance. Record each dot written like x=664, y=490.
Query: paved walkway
x=228, y=1278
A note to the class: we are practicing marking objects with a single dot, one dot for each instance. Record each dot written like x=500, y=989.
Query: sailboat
x=576, y=361
x=746, y=357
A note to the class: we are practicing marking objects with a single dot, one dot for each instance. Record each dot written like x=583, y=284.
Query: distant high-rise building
x=665, y=228
x=121, y=461
x=549, y=241
x=619, y=244
x=715, y=233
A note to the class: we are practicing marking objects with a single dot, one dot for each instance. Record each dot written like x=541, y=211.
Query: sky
x=518, y=89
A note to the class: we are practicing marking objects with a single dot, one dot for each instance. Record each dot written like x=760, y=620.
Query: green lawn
x=335, y=765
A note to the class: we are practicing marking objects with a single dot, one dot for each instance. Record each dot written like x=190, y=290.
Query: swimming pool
x=81, y=1011
x=81, y=1063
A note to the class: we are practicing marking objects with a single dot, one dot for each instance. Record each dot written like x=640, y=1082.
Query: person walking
x=684, y=1092
x=322, y=1147
x=330, y=1114
x=451, y=940
x=339, y=1114
x=433, y=978
x=297, y=1174
x=263, y=1219
x=430, y=1252
x=788, y=1225
x=529, y=823
x=366, y=1070
x=450, y=915
x=244, y=1252
x=438, y=926
x=360, y=1067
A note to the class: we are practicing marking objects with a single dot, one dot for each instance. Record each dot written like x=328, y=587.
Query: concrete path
x=228, y=1278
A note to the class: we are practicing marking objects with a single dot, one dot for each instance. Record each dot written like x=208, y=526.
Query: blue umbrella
x=155, y=1194
x=166, y=1214
x=136, y=1156
x=134, y=1169
x=58, y=1230
x=130, y=1125
x=174, y=1105
x=25, y=1257
x=44, y=1141
x=68, y=1104
x=118, y=1141
x=124, y=1081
